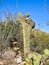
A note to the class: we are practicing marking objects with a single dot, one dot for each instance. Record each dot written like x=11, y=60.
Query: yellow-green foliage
x=47, y=63
x=37, y=58
x=39, y=39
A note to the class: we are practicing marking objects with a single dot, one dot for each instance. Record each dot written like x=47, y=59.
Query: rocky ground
x=10, y=57
x=13, y=57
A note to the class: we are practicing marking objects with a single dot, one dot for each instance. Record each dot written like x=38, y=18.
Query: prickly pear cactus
x=46, y=54
x=36, y=58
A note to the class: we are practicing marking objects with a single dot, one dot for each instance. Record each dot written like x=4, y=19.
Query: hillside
x=39, y=40
x=12, y=32
x=11, y=43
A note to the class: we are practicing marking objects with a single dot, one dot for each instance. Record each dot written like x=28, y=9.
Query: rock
x=1, y=63
x=18, y=59
x=9, y=55
x=10, y=58
x=14, y=42
x=15, y=48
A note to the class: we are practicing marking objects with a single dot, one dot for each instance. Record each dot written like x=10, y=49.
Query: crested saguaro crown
x=27, y=20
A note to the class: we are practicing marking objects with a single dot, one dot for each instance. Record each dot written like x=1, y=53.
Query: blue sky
x=35, y=8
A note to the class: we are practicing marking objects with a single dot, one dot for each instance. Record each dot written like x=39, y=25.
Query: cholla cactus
x=27, y=24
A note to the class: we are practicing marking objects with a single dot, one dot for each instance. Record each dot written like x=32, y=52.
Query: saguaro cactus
x=27, y=24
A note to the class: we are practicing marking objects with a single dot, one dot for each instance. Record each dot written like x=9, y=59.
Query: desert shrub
x=9, y=31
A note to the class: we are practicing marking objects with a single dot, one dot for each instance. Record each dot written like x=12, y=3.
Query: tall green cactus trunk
x=26, y=37
x=27, y=24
